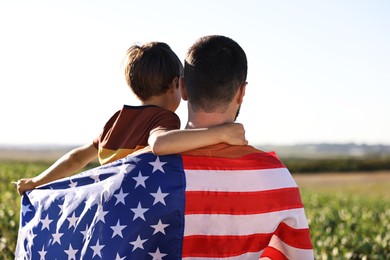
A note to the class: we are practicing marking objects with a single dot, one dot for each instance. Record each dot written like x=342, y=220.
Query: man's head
x=150, y=68
x=215, y=69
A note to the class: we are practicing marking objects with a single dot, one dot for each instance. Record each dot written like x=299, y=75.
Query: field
x=348, y=213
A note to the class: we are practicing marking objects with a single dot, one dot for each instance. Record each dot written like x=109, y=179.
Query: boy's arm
x=65, y=166
x=164, y=141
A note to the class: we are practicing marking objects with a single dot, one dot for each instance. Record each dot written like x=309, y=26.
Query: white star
x=140, y=180
x=61, y=207
x=107, y=190
x=157, y=255
x=72, y=184
x=56, y=238
x=79, y=193
x=117, y=229
x=101, y=215
x=85, y=232
x=118, y=257
x=120, y=197
x=139, y=211
x=72, y=220
x=96, y=249
x=159, y=196
x=71, y=252
x=25, y=209
x=46, y=222
x=159, y=227
x=95, y=178
x=139, y=243
x=157, y=165
x=122, y=168
x=42, y=253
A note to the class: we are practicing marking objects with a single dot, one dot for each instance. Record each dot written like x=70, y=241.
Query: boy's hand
x=233, y=134
x=23, y=185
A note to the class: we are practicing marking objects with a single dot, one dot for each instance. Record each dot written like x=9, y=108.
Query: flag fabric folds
x=168, y=207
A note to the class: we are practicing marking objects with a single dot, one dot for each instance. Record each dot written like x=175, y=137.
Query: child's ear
x=174, y=84
x=182, y=87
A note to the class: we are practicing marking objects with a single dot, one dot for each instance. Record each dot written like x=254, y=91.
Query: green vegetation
x=337, y=164
x=345, y=223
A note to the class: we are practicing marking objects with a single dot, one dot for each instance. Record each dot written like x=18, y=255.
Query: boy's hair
x=149, y=68
x=214, y=69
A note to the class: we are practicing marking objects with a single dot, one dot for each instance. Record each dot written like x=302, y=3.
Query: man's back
x=170, y=207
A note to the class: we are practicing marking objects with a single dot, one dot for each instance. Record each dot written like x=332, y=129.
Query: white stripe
x=246, y=256
x=222, y=224
x=289, y=251
x=242, y=180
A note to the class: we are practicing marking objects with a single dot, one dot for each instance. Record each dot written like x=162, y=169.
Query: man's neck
x=205, y=120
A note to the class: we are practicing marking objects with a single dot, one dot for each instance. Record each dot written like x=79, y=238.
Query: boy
x=153, y=72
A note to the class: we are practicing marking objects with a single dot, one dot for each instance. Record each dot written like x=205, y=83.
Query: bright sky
x=319, y=71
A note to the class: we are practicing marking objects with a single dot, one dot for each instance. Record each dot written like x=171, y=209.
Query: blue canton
x=132, y=208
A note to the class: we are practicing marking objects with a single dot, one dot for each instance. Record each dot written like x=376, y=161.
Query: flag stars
x=46, y=222
x=117, y=230
x=72, y=220
x=97, y=249
x=120, y=197
x=42, y=253
x=157, y=255
x=95, y=178
x=139, y=212
x=56, y=238
x=72, y=184
x=159, y=227
x=25, y=209
x=140, y=179
x=159, y=196
x=122, y=168
x=101, y=215
x=71, y=252
x=138, y=243
x=157, y=165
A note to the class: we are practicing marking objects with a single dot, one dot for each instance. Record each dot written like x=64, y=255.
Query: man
x=217, y=202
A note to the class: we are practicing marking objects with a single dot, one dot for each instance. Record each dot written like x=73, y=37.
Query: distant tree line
x=342, y=164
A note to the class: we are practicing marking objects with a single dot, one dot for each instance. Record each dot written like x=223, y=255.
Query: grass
x=349, y=214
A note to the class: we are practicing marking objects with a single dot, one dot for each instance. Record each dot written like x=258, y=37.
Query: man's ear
x=182, y=87
x=241, y=93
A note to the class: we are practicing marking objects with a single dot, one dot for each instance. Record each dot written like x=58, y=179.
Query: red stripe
x=273, y=253
x=298, y=238
x=226, y=246
x=249, y=162
x=223, y=246
x=238, y=203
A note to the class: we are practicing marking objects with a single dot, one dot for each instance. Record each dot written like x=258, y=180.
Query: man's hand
x=232, y=133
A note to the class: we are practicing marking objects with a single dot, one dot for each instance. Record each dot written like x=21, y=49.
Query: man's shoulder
x=237, y=156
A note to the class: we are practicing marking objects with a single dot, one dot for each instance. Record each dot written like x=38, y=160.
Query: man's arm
x=65, y=166
x=164, y=141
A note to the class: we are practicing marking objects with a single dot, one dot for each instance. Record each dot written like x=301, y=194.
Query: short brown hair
x=214, y=69
x=149, y=68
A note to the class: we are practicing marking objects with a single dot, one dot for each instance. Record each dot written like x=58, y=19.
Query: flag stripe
x=250, y=180
x=246, y=256
x=299, y=238
x=203, y=202
x=292, y=252
x=248, y=162
x=242, y=224
x=222, y=246
x=272, y=253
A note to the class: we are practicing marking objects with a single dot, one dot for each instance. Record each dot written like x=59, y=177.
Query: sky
x=318, y=71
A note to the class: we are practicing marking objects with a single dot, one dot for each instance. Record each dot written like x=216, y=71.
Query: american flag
x=168, y=207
